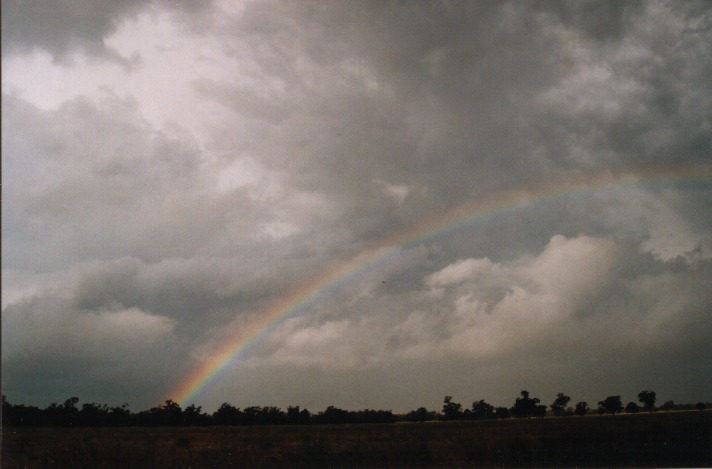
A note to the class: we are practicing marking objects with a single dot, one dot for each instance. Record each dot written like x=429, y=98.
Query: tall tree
x=171, y=413
x=559, y=405
x=648, y=400
x=451, y=410
x=526, y=407
x=481, y=410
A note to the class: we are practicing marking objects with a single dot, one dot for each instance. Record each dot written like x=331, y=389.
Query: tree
x=481, y=410
x=502, y=413
x=526, y=407
x=648, y=400
x=66, y=414
x=334, y=415
x=252, y=415
x=420, y=415
x=70, y=412
x=668, y=405
x=272, y=415
x=451, y=410
x=559, y=405
x=632, y=408
x=170, y=413
x=700, y=406
x=93, y=414
x=194, y=415
x=227, y=415
x=119, y=416
x=581, y=408
x=611, y=404
x=296, y=416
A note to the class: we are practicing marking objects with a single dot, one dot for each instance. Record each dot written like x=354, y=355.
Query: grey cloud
x=559, y=322
x=629, y=104
x=600, y=20
x=198, y=293
x=513, y=106
x=63, y=26
x=66, y=26
x=97, y=181
x=333, y=127
x=101, y=352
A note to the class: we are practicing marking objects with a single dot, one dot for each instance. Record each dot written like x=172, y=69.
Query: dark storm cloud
x=441, y=100
x=63, y=26
x=66, y=26
x=605, y=20
x=100, y=352
x=466, y=99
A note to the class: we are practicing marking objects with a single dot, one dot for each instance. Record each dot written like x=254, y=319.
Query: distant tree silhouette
x=171, y=413
x=632, y=408
x=558, y=407
x=333, y=415
x=371, y=416
x=581, y=408
x=527, y=407
x=451, y=410
x=611, y=404
x=227, y=414
x=272, y=415
x=648, y=400
x=194, y=415
x=18, y=415
x=295, y=416
x=268, y=415
x=119, y=416
x=66, y=414
x=421, y=414
x=482, y=410
x=93, y=415
x=668, y=405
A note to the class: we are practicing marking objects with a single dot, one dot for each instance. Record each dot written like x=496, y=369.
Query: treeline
x=526, y=406
x=170, y=413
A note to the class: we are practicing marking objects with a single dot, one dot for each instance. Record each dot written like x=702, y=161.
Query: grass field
x=665, y=439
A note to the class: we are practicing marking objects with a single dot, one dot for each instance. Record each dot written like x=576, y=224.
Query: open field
x=664, y=439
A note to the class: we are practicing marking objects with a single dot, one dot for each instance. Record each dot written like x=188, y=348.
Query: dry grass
x=661, y=439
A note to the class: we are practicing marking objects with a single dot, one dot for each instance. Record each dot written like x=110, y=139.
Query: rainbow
x=320, y=286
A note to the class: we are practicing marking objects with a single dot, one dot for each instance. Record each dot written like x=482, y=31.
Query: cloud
x=480, y=309
x=242, y=150
x=100, y=352
x=59, y=27
x=502, y=309
x=581, y=307
x=68, y=26
x=96, y=180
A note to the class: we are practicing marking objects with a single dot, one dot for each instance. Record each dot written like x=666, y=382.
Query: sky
x=367, y=204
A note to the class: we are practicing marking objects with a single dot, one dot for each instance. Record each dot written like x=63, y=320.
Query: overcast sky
x=171, y=169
